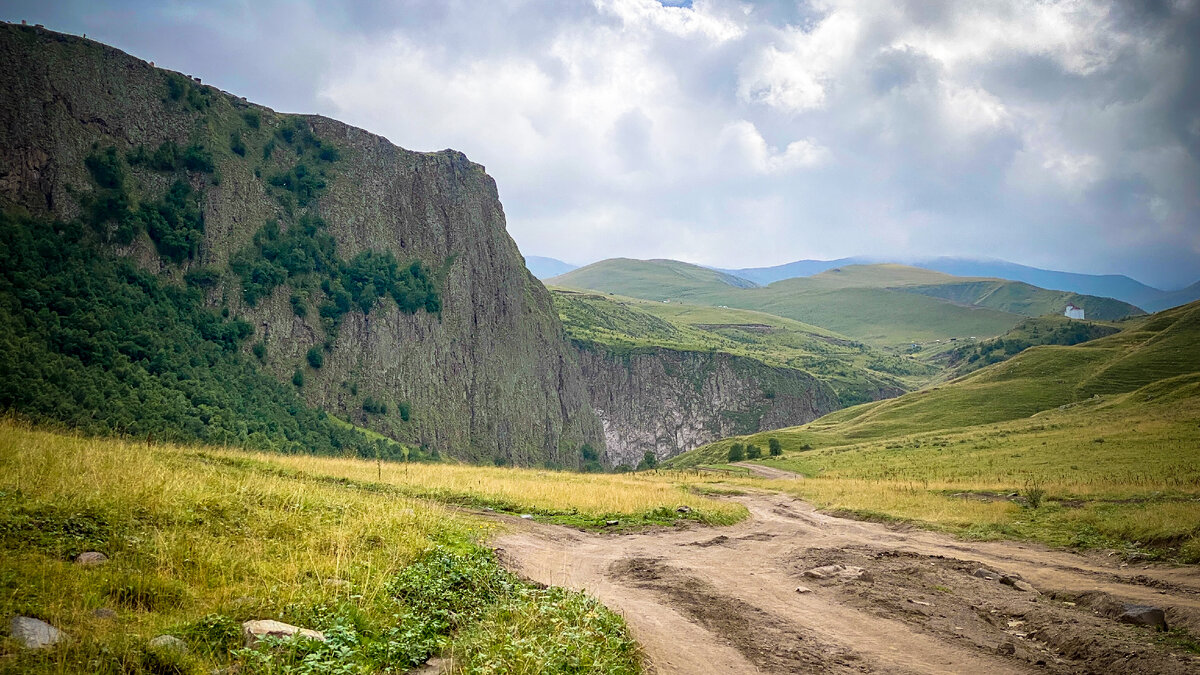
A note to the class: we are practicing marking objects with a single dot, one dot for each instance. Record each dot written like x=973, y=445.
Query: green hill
x=855, y=371
x=1152, y=349
x=886, y=305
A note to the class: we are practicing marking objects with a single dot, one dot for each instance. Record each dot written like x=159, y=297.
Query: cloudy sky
x=738, y=134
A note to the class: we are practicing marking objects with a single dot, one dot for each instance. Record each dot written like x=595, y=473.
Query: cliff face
x=668, y=402
x=489, y=376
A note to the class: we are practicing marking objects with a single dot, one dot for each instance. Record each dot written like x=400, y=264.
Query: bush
x=1034, y=493
x=753, y=452
x=737, y=452
x=649, y=461
x=298, y=378
x=236, y=144
x=252, y=119
x=260, y=351
x=775, y=447
x=315, y=356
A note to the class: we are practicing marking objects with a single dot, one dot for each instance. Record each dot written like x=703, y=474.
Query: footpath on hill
x=793, y=590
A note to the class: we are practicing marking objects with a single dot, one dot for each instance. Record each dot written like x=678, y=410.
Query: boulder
x=254, y=631
x=168, y=643
x=91, y=559
x=1017, y=582
x=1144, y=615
x=34, y=633
x=985, y=574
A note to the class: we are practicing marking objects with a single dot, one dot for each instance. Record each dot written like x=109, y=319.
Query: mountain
x=879, y=304
x=1115, y=286
x=1155, y=355
x=184, y=264
x=667, y=377
x=544, y=268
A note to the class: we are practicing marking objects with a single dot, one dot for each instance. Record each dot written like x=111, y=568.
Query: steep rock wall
x=668, y=402
x=492, y=376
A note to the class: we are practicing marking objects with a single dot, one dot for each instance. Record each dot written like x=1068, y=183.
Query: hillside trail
x=761, y=471
x=735, y=599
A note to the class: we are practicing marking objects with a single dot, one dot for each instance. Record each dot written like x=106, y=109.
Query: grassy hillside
x=1043, y=330
x=199, y=540
x=886, y=305
x=855, y=371
x=1154, y=348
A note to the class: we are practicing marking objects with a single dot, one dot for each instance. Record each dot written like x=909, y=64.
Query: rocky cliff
x=480, y=371
x=668, y=401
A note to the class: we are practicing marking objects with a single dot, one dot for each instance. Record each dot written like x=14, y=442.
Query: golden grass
x=590, y=496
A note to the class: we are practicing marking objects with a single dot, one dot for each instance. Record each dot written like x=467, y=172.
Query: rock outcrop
x=668, y=402
x=490, y=376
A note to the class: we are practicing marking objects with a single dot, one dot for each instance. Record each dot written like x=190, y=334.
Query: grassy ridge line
x=196, y=547
x=855, y=371
x=849, y=304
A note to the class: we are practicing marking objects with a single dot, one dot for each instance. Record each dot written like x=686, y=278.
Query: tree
x=775, y=447
x=316, y=358
x=737, y=452
x=753, y=451
x=649, y=461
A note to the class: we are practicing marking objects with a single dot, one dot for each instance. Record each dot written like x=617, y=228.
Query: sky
x=728, y=133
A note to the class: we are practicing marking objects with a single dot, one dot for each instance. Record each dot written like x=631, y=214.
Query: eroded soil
x=709, y=600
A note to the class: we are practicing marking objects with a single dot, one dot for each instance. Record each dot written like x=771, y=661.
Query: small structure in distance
x=1073, y=312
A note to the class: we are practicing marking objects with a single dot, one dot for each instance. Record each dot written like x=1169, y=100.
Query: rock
x=1144, y=615
x=35, y=633
x=984, y=574
x=612, y=523
x=91, y=559
x=921, y=602
x=843, y=572
x=1024, y=586
x=168, y=643
x=526, y=516
x=104, y=613
x=1006, y=648
x=489, y=509
x=803, y=589
x=684, y=509
x=254, y=631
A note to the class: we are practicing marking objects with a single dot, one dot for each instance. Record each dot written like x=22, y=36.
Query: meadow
x=199, y=541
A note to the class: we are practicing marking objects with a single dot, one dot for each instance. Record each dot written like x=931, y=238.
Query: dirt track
x=725, y=600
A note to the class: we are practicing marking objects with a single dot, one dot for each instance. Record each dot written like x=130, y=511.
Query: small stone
x=984, y=574
x=612, y=523
x=489, y=509
x=526, y=516
x=803, y=589
x=684, y=509
x=104, y=613
x=1007, y=648
x=921, y=602
x=843, y=572
x=91, y=559
x=254, y=631
x=1144, y=615
x=34, y=633
x=168, y=643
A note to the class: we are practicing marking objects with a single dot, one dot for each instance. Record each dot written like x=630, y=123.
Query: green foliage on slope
x=856, y=372
x=1045, y=330
x=91, y=341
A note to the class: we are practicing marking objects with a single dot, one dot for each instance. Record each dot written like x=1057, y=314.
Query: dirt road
x=762, y=471
x=726, y=600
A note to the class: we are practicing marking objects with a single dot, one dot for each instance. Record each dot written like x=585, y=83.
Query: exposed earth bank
x=737, y=599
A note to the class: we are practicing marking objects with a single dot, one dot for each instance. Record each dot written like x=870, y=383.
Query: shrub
x=775, y=447
x=252, y=119
x=236, y=144
x=737, y=452
x=1034, y=493
x=315, y=356
x=753, y=452
x=649, y=461
x=260, y=351
x=196, y=158
x=405, y=410
x=298, y=378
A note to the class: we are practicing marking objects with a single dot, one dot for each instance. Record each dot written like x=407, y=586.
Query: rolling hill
x=885, y=305
x=1116, y=286
x=1156, y=353
x=544, y=268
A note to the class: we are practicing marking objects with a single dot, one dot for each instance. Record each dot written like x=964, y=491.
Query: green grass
x=885, y=305
x=197, y=546
x=854, y=370
x=1109, y=429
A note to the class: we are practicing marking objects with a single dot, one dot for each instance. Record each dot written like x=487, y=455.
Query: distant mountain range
x=544, y=268
x=1116, y=286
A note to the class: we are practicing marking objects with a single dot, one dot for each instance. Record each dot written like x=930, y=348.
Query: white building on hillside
x=1073, y=312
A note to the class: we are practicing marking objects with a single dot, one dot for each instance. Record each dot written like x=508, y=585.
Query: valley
x=280, y=396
